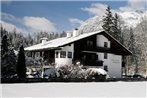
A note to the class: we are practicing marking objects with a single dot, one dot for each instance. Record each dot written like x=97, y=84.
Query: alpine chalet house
x=94, y=49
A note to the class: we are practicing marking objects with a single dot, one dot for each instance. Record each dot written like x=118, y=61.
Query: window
x=105, y=55
x=40, y=54
x=29, y=54
x=89, y=43
x=105, y=44
x=57, y=54
x=97, y=57
x=63, y=54
x=106, y=68
x=93, y=57
x=69, y=54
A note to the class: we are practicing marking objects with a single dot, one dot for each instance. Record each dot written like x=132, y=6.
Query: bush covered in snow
x=67, y=72
x=96, y=73
x=74, y=71
x=71, y=71
x=77, y=72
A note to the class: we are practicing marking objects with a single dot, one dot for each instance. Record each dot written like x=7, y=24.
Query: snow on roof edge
x=58, y=42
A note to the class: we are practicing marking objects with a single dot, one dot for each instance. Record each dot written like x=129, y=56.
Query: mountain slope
x=91, y=25
x=131, y=19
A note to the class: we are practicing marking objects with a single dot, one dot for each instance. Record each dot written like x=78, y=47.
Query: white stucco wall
x=101, y=57
x=100, y=41
x=113, y=62
x=115, y=66
x=64, y=61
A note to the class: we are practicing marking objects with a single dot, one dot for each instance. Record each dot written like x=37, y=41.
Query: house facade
x=93, y=49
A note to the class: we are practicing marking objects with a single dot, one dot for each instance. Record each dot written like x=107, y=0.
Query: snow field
x=88, y=89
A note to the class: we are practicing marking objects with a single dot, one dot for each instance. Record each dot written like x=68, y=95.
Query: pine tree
x=8, y=59
x=116, y=28
x=108, y=21
x=3, y=31
x=4, y=45
x=112, y=24
x=21, y=66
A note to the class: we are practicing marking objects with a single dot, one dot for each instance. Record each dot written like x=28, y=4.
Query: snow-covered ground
x=90, y=89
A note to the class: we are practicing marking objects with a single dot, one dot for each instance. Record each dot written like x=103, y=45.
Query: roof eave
x=44, y=49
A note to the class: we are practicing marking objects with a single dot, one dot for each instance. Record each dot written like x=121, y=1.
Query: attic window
x=105, y=44
x=63, y=54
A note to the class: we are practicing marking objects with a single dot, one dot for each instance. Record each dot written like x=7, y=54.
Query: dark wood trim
x=57, y=48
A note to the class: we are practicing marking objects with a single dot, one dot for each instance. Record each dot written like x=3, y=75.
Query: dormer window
x=105, y=44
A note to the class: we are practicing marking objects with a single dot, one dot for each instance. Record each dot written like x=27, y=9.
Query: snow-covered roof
x=116, y=47
x=59, y=42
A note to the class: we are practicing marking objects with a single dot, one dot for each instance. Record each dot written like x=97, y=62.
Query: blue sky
x=58, y=16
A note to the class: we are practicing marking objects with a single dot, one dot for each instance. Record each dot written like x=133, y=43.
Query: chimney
x=68, y=34
x=75, y=32
x=43, y=40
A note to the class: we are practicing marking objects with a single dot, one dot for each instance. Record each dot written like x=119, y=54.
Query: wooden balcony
x=93, y=63
x=97, y=49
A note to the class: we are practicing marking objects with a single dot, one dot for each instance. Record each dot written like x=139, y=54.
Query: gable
x=116, y=47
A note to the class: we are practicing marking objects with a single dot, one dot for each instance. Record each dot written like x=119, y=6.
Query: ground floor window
x=57, y=53
x=105, y=55
x=41, y=54
x=46, y=55
x=69, y=54
x=63, y=54
x=106, y=68
x=29, y=54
